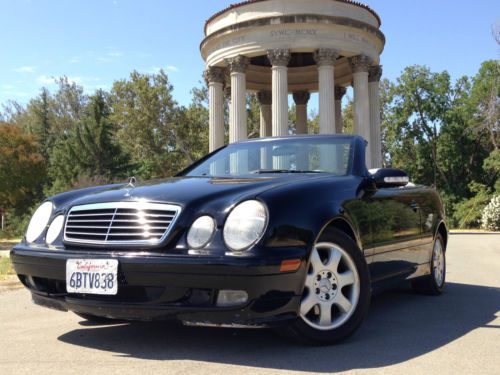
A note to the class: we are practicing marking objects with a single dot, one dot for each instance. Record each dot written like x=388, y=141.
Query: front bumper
x=158, y=286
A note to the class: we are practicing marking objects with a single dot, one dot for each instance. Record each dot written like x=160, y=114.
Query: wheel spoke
x=307, y=304
x=316, y=262
x=346, y=278
x=333, y=260
x=325, y=315
x=343, y=303
x=310, y=281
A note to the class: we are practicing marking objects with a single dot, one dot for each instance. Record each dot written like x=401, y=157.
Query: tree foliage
x=144, y=113
x=89, y=151
x=22, y=167
x=445, y=134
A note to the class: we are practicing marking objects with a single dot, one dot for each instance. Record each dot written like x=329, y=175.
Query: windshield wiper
x=263, y=171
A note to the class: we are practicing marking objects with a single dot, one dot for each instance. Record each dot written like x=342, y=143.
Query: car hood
x=186, y=191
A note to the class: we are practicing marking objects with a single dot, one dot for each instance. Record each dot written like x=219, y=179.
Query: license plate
x=92, y=276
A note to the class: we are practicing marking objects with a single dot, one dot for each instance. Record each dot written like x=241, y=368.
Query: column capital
x=326, y=56
x=265, y=97
x=214, y=74
x=374, y=73
x=301, y=97
x=237, y=64
x=360, y=63
x=339, y=92
x=279, y=56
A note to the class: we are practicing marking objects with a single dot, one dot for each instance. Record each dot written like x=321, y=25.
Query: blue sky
x=95, y=42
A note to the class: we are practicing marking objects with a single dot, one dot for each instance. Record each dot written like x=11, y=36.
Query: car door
x=396, y=232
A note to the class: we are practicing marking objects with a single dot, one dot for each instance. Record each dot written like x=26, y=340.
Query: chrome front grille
x=120, y=223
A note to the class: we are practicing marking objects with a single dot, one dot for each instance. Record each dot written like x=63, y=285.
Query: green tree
x=253, y=116
x=144, y=113
x=89, y=151
x=421, y=99
x=42, y=123
x=191, y=129
x=348, y=118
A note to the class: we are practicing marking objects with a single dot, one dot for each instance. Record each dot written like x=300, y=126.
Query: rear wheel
x=434, y=283
x=336, y=292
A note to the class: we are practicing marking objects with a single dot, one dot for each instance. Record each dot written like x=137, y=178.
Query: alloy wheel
x=332, y=287
x=438, y=263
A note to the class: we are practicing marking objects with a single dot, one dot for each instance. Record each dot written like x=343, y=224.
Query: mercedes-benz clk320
x=289, y=232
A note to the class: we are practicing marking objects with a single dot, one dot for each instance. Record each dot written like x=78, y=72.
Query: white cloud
x=103, y=59
x=46, y=80
x=153, y=70
x=25, y=69
x=110, y=56
x=115, y=54
x=168, y=68
x=79, y=80
x=74, y=60
x=172, y=68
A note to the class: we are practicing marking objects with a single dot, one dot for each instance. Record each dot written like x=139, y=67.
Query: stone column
x=301, y=98
x=279, y=59
x=374, y=74
x=265, y=100
x=266, y=129
x=237, y=110
x=215, y=80
x=339, y=122
x=325, y=59
x=360, y=65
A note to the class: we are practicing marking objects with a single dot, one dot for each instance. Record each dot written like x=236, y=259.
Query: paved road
x=457, y=333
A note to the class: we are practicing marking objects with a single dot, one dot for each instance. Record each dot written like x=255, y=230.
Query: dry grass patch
x=6, y=269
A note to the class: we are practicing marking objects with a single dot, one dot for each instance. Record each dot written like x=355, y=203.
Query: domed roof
x=243, y=3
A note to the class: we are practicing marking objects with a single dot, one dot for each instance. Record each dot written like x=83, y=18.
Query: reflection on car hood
x=188, y=190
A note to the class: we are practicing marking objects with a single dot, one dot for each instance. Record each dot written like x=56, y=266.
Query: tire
x=324, y=316
x=434, y=283
x=96, y=319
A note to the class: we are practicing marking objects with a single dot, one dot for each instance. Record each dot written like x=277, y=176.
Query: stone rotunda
x=281, y=47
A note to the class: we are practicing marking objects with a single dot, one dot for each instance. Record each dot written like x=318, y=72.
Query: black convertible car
x=292, y=232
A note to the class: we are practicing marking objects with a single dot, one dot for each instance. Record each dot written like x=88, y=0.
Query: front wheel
x=336, y=294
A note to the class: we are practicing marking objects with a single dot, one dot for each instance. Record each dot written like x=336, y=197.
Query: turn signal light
x=290, y=265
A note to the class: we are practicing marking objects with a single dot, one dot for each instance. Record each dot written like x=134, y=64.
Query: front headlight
x=245, y=225
x=39, y=221
x=201, y=232
x=54, y=229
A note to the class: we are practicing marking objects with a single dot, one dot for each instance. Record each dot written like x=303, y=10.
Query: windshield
x=290, y=155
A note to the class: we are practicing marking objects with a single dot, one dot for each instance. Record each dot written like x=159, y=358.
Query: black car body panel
x=394, y=227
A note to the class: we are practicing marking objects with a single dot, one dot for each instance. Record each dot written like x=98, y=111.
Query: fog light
x=231, y=298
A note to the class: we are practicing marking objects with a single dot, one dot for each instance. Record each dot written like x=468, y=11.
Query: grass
x=6, y=270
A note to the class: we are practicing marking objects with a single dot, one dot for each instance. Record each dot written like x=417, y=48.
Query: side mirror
x=389, y=177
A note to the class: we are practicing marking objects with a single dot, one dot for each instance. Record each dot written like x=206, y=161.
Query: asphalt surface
x=456, y=333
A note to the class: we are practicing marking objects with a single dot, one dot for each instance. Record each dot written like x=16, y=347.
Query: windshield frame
x=354, y=142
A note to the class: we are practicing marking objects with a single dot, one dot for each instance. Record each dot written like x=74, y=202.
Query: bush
x=491, y=215
x=16, y=222
x=468, y=213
